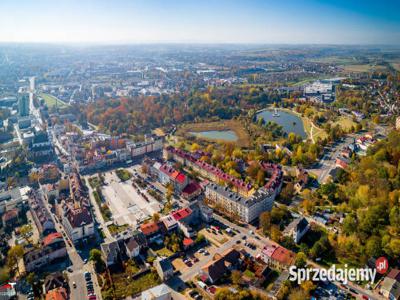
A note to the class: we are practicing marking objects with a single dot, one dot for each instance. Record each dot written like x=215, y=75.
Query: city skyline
x=259, y=22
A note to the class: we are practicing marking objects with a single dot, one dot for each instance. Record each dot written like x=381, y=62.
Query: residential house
x=169, y=224
x=164, y=268
x=111, y=252
x=277, y=257
x=57, y=294
x=342, y=162
x=191, y=191
x=301, y=179
x=54, y=281
x=187, y=243
x=390, y=286
x=297, y=229
x=220, y=265
x=7, y=291
x=132, y=248
x=151, y=231
x=52, y=248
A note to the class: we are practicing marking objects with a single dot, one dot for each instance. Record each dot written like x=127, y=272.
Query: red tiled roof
x=187, y=242
x=51, y=237
x=181, y=178
x=182, y=213
x=149, y=228
x=283, y=256
x=191, y=188
x=57, y=294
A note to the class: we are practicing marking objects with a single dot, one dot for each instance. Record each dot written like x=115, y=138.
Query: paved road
x=195, y=269
x=328, y=161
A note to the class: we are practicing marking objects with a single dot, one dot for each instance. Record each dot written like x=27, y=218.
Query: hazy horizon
x=208, y=22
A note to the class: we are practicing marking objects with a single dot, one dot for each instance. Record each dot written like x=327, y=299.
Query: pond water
x=289, y=122
x=224, y=135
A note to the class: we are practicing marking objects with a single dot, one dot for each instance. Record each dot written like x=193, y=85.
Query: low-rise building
x=132, y=248
x=164, y=268
x=297, y=229
x=159, y=292
x=57, y=294
x=220, y=265
x=52, y=248
x=13, y=198
x=390, y=286
x=111, y=252
x=277, y=257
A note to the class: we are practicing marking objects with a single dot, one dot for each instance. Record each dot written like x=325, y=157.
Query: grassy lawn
x=124, y=286
x=94, y=182
x=345, y=123
x=115, y=229
x=234, y=125
x=164, y=252
x=51, y=101
x=123, y=174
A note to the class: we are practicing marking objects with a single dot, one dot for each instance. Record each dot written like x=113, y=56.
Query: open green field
x=345, y=123
x=335, y=60
x=51, y=101
x=234, y=125
x=359, y=68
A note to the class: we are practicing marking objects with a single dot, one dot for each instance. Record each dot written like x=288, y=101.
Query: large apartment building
x=242, y=201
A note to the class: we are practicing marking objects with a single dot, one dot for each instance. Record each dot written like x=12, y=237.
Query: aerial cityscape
x=221, y=150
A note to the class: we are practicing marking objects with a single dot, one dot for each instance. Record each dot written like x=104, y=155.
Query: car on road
x=74, y=284
x=69, y=269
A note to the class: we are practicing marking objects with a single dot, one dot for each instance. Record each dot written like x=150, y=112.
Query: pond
x=223, y=135
x=290, y=122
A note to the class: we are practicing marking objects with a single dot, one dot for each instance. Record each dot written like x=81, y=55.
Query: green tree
x=14, y=254
x=236, y=277
x=265, y=221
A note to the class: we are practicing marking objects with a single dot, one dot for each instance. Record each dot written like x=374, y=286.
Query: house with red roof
x=151, y=231
x=57, y=294
x=277, y=257
x=7, y=291
x=52, y=248
x=187, y=243
x=192, y=190
x=169, y=175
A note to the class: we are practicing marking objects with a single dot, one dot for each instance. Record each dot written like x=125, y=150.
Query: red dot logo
x=381, y=265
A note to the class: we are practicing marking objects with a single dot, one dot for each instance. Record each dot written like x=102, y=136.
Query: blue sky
x=201, y=21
